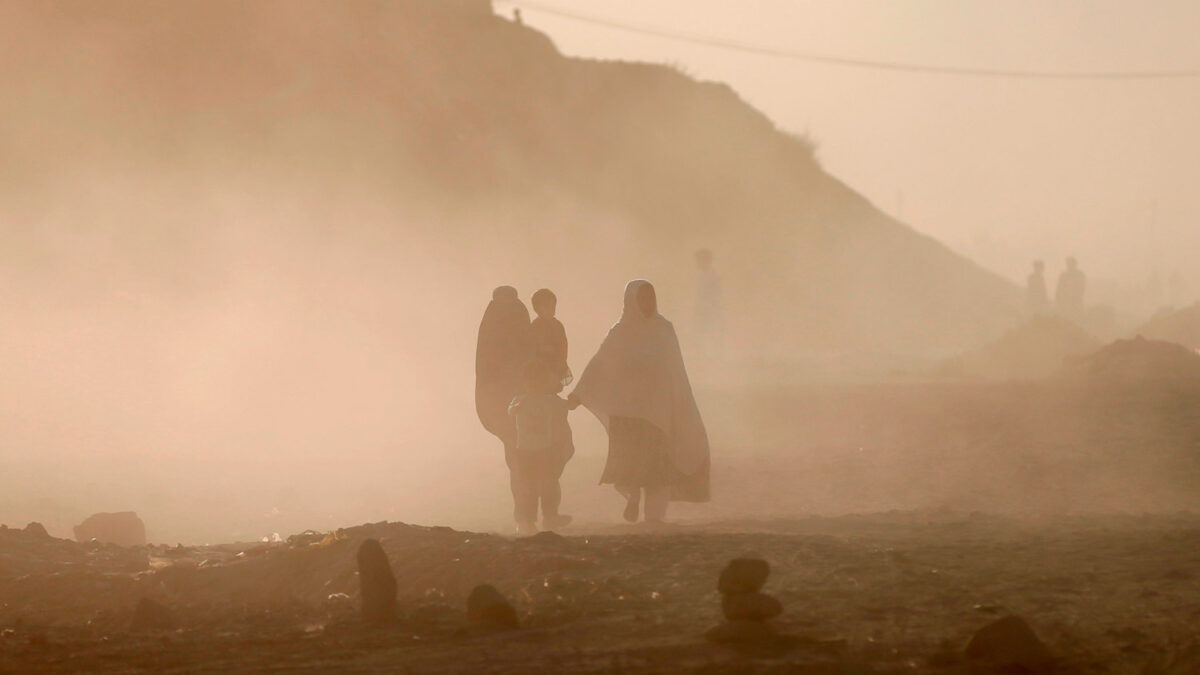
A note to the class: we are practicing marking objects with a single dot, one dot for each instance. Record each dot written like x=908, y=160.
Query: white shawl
x=638, y=372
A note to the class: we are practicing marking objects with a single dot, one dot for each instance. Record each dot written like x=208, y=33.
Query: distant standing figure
x=501, y=353
x=709, y=322
x=544, y=446
x=638, y=387
x=550, y=337
x=1068, y=296
x=1037, y=301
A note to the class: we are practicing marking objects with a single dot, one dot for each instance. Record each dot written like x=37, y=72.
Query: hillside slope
x=444, y=108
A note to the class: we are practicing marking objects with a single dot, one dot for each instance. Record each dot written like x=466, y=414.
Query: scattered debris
x=306, y=538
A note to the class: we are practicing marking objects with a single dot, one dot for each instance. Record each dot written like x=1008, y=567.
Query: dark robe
x=503, y=349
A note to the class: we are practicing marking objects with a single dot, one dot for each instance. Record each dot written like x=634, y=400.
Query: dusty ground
x=898, y=592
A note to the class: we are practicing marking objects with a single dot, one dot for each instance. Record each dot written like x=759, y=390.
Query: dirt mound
x=1033, y=350
x=433, y=101
x=1181, y=326
x=1140, y=359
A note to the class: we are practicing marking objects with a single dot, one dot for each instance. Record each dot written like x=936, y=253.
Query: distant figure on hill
x=638, y=387
x=709, y=322
x=550, y=337
x=501, y=353
x=544, y=446
x=1068, y=296
x=1037, y=301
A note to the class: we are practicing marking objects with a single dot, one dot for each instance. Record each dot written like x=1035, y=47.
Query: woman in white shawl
x=637, y=386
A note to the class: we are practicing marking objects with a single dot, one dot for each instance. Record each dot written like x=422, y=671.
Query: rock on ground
x=750, y=606
x=1009, y=644
x=487, y=607
x=123, y=529
x=743, y=575
x=742, y=631
x=376, y=582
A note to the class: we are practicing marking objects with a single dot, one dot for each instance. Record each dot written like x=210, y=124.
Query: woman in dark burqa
x=638, y=387
x=503, y=349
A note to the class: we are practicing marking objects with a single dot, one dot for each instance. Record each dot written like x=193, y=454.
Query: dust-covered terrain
x=899, y=592
x=1060, y=445
x=1035, y=499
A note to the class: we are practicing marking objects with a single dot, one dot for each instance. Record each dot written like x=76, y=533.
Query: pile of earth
x=1139, y=359
x=1180, y=326
x=1036, y=349
x=443, y=112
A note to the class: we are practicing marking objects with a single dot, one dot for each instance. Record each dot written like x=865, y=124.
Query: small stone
x=544, y=537
x=37, y=529
x=122, y=529
x=743, y=575
x=487, y=608
x=742, y=632
x=152, y=615
x=1008, y=644
x=750, y=606
x=376, y=582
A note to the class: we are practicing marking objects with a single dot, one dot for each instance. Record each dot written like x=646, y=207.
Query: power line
x=812, y=57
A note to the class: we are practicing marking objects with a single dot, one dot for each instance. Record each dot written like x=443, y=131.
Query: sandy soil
x=896, y=592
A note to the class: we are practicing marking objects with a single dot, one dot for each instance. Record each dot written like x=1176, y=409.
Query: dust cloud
x=246, y=249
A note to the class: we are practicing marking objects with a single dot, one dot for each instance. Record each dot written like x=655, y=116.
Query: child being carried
x=550, y=337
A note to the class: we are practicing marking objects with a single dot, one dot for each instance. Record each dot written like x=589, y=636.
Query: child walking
x=549, y=337
x=544, y=445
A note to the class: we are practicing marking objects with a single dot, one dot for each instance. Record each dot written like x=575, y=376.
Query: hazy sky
x=1003, y=170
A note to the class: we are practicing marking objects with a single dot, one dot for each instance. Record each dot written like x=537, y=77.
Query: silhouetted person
x=709, y=321
x=1037, y=301
x=544, y=446
x=502, y=351
x=638, y=387
x=550, y=337
x=1068, y=296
